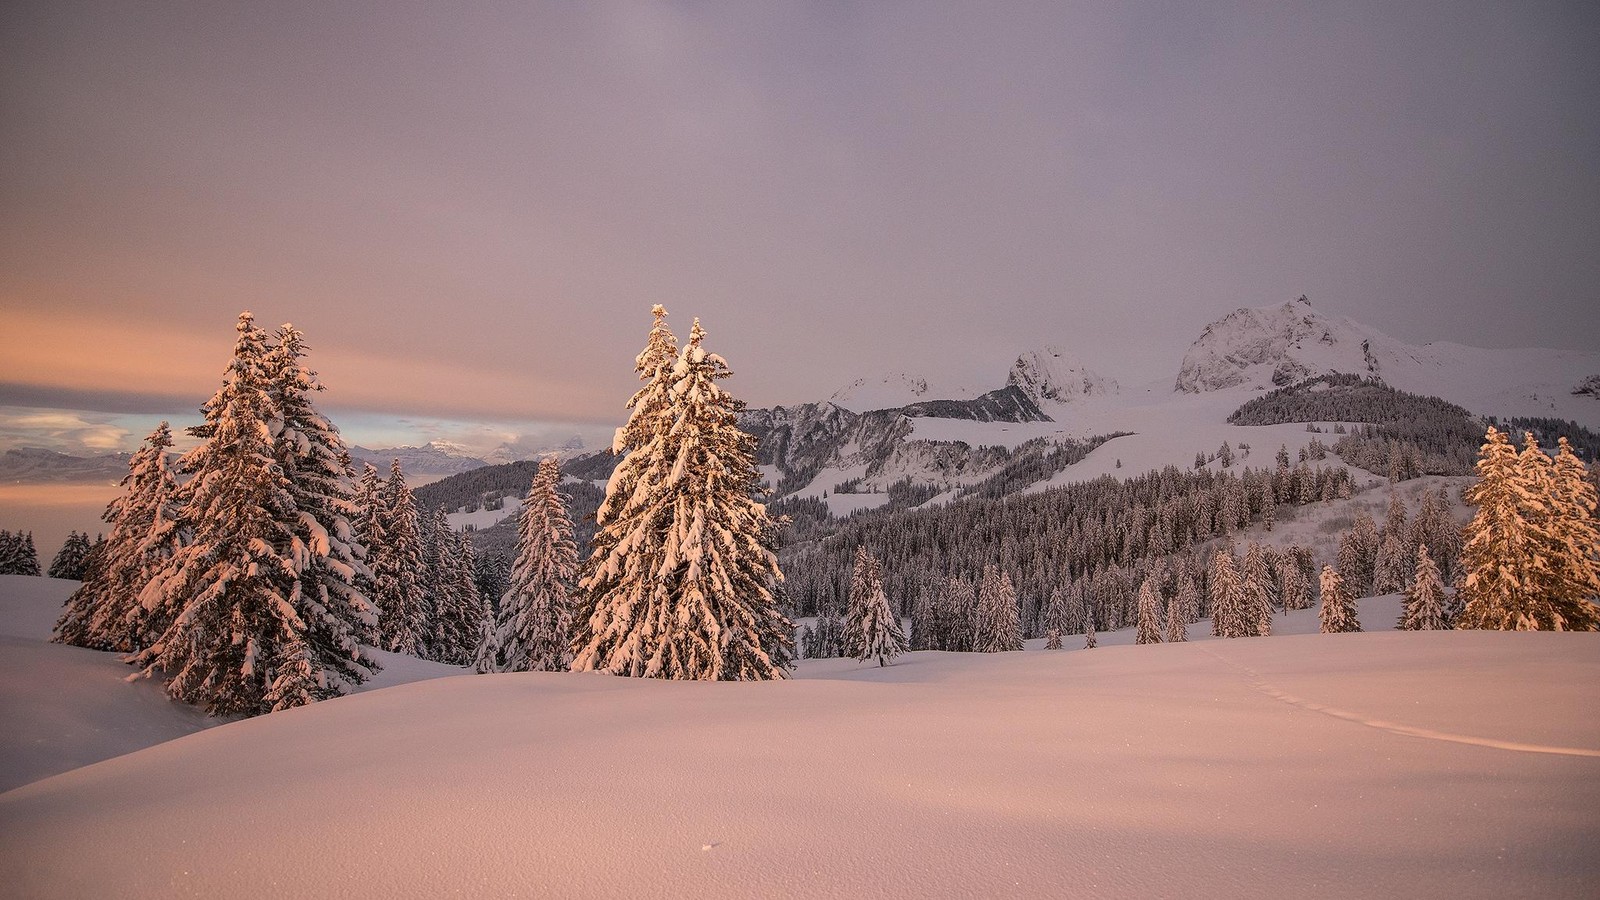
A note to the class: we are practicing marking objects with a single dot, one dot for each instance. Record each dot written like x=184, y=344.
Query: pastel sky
x=470, y=207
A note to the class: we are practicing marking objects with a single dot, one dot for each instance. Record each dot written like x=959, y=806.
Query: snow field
x=1213, y=768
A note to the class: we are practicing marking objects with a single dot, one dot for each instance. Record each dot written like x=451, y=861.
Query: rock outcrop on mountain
x=1049, y=374
x=1276, y=346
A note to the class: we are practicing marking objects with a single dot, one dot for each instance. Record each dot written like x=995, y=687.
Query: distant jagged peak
x=1051, y=374
x=1271, y=346
x=893, y=390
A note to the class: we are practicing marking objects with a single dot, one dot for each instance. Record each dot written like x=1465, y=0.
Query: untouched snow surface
x=1381, y=764
x=65, y=707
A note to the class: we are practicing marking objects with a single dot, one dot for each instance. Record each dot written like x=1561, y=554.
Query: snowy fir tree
x=1229, y=614
x=105, y=614
x=680, y=581
x=872, y=630
x=399, y=569
x=922, y=621
x=1358, y=556
x=1088, y=633
x=1150, y=624
x=1177, y=629
x=1188, y=598
x=370, y=513
x=1257, y=587
x=533, y=631
x=996, y=628
x=232, y=640
x=1574, y=533
x=73, y=557
x=17, y=554
x=459, y=612
x=957, y=609
x=1396, y=553
x=493, y=576
x=1055, y=618
x=1424, y=607
x=326, y=553
x=1434, y=529
x=1293, y=588
x=1521, y=572
x=1338, y=613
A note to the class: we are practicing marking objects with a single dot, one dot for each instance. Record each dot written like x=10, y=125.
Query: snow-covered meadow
x=1378, y=764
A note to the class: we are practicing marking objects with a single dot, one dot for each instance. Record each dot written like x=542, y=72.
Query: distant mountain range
x=880, y=430
x=35, y=465
x=439, y=458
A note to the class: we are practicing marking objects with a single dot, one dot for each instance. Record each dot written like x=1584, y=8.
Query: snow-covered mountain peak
x=1272, y=346
x=1049, y=373
x=894, y=390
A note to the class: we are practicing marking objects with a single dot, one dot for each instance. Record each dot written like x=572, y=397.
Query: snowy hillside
x=66, y=707
x=1273, y=346
x=1304, y=765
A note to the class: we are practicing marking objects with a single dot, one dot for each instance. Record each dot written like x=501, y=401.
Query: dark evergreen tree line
x=18, y=555
x=1408, y=435
x=1097, y=541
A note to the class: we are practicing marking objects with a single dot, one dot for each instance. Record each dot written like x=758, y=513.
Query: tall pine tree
x=533, y=629
x=234, y=641
x=105, y=613
x=1519, y=564
x=399, y=584
x=681, y=579
x=872, y=630
x=1338, y=613
x=327, y=555
x=1424, y=606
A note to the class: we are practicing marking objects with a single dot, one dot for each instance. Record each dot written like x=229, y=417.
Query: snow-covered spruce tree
x=922, y=619
x=234, y=643
x=1150, y=624
x=996, y=628
x=70, y=560
x=681, y=581
x=1177, y=630
x=1424, y=606
x=828, y=637
x=872, y=629
x=1228, y=613
x=398, y=571
x=1257, y=587
x=958, y=610
x=622, y=509
x=1188, y=598
x=1396, y=552
x=370, y=513
x=1358, y=555
x=328, y=557
x=1516, y=558
x=17, y=554
x=1574, y=534
x=1434, y=528
x=459, y=610
x=105, y=613
x=1338, y=613
x=1292, y=584
x=1055, y=618
x=1088, y=633
x=533, y=632
x=493, y=576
